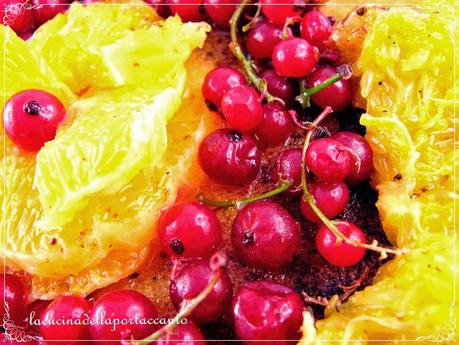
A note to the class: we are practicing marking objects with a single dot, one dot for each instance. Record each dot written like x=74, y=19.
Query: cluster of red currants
x=217, y=11
x=190, y=232
x=129, y=315
x=117, y=315
x=264, y=234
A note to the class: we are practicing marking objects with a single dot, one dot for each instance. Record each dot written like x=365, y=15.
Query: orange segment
x=185, y=131
x=71, y=259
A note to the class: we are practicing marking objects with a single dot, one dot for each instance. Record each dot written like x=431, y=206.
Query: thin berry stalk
x=242, y=202
x=248, y=64
x=307, y=196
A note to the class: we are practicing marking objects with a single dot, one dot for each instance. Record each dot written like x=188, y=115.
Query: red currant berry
x=220, y=11
x=338, y=95
x=20, y=19
x=329, y=160
x=294, y=57
x=316, y=29
x=230, y=157
x=276, y=126
x=288, y=167
x=190, y=230
x=261, y=40
x=183, y=334
x=31, y=118
x=265, y=235
x=241, y=108
x=160, y=7
x=26, y=35
x=120, y=305
x=188, y=11
x=220, y=80
x=48, y=9
x=191, y=278
x=278, y=86
x=267, y=311
x=362, y=158
x=73, y=310
x=277, y=11
x=340, y=254
x=330, y=198
x=13, y=293
x=34, y=310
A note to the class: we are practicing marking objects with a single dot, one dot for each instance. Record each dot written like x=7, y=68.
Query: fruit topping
x=336, y=251
x=189, y=229
x=190, y=279
x=230, y=157
x=64, y=320
x=118, y=305
x=264, y=235
x=13, y=295
x=277, y=125
x=268, y=312
x=241, y=108
x=31, y=118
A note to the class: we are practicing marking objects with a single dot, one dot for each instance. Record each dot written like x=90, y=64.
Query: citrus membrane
x=407, y=79
x=108, y=143
x=93, y=229
x=72, y=42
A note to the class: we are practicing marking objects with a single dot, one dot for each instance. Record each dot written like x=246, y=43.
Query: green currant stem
x=242, y=202
x=306, y=94
x=236, y=49
x=307, y=196
x=188, y=307
x=253, y=21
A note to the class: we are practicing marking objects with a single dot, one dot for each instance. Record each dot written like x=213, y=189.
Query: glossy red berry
x=122, y=304
x=48, y=9
x=316, y=29
x=13, y=293
x=188, y=11
x=34, y=311
x=26, y=35
x=276, y=126
x=261, y=40
x=329, y=160
x=278, y=11
x=31, y=118
x=220, y=80
x=74, y=310
x=288, y=167
x=220, y=11
x=183, y=334
x=338, y=95
x=330, y=198
x=362, y=156
x=294, y=57
x=279, y=86
x=19, y=19
x=160, y=7
x=230, y=157
x=265, y=235
x=190, y=279
x=241, y=108
x=267, y=311
x=189, y=229
x=340, y=254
